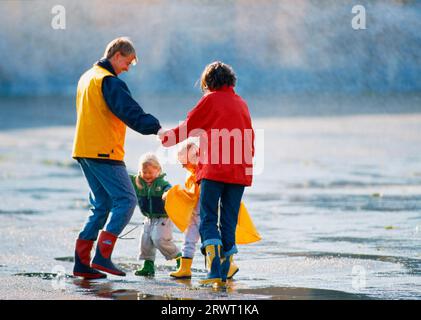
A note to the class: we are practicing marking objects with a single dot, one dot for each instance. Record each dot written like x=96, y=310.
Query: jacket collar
x=106, y=64
x=158, y=178
x=225, y=89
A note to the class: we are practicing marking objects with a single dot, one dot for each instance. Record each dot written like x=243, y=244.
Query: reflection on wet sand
x=279, y=293
x=105, y=289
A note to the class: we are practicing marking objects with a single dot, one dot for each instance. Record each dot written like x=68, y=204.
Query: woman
x=222, y=121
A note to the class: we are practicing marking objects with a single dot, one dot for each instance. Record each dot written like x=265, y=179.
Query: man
x=104, y=107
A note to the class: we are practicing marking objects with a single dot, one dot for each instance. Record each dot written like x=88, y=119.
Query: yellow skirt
x=180, y=204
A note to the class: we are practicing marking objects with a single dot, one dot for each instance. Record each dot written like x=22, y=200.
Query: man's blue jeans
x=111, y=192
x=229, y=195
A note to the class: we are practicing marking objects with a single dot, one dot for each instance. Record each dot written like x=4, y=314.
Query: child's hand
x=161, y=133
x=138, y=184
x=164, y=195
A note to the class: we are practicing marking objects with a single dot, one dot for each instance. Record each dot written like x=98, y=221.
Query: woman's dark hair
x=216, y=75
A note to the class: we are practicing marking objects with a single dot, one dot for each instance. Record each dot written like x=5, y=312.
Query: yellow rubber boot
x=232, y=270
x=184, y=271
x=213, y=265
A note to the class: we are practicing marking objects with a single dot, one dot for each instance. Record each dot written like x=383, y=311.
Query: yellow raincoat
x=180, y=204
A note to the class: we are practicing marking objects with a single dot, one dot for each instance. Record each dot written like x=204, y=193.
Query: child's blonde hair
x=149, y=159
x=189, y=152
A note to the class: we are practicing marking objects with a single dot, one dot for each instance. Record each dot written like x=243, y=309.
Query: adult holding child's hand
x=162, y=133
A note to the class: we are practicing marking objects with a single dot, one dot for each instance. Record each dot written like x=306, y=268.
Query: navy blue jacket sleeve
x=121, y=103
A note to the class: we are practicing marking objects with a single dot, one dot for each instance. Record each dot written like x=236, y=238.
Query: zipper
x=153, y=185
x=149, y=199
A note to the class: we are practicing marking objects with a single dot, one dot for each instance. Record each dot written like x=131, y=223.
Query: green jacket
x=150, y=197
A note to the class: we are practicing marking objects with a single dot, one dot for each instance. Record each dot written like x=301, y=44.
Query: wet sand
x=338, y=202
x=39, y=287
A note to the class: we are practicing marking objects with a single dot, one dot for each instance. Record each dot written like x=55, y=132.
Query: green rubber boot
x=148, y=269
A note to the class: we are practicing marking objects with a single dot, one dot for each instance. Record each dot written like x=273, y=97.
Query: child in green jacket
x=151, y=188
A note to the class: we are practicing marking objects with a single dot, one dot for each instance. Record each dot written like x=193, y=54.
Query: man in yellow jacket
x=104, y=108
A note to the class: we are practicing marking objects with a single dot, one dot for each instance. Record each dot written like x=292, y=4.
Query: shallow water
x=337, y=203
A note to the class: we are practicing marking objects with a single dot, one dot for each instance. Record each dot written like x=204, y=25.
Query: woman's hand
x=161, y=134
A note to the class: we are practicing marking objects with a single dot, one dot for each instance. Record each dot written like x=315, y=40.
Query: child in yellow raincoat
x=182, y=206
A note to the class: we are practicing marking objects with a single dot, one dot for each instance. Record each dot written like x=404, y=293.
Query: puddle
x=62, y=164
x=287, y=293
x=23, y=212
x=42, y=275
x=413, y=265
x=65, y=259
x=45, y=190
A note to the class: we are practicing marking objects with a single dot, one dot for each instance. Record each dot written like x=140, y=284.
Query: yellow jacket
x=99, y=133
x=180, y=204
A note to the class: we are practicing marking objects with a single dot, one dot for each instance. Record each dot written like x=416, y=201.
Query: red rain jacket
x=222, y=121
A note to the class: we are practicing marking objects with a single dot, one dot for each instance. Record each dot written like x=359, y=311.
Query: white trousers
x=157, y=234
x=192, y=235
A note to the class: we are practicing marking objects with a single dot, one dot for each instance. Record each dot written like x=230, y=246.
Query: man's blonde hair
x=123, y=45
x=149, y=159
